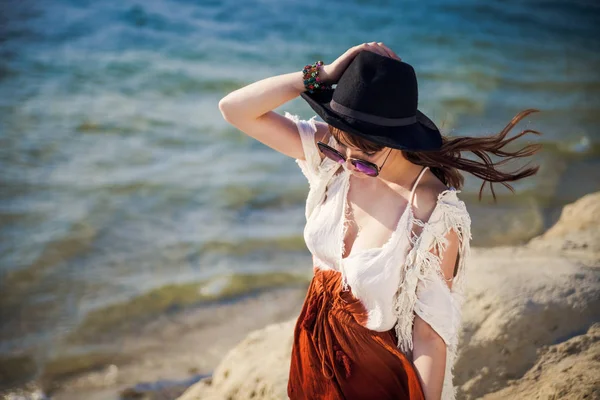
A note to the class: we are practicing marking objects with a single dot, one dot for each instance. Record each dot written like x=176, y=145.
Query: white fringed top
x=403, y=276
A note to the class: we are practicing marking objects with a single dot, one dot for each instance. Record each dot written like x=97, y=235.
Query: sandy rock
x=578, y=228
x=566, y=371
x=257, y=368
x=517, y=301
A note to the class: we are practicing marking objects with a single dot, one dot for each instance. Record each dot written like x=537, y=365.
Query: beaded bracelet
x=311, y=78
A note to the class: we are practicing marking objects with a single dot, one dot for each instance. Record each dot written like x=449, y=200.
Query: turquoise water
x=120, y=177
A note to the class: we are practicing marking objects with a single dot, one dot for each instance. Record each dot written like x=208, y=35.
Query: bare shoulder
x=426, y=196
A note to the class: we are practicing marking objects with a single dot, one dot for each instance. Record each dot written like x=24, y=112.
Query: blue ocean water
x=119, y=175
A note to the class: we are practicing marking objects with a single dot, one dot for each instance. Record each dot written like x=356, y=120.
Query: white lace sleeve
x=310, y=165
x=424, y=290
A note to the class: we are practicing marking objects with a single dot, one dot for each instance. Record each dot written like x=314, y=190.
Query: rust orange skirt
x=335, y=357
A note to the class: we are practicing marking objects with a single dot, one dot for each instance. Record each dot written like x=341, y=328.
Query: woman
x=388, y=234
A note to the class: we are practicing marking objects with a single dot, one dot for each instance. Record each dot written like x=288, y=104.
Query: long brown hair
x=446, y=162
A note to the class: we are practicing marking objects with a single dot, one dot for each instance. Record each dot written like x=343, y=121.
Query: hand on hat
x=331, y=73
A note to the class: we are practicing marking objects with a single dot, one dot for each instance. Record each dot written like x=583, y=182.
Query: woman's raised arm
x=249, y=110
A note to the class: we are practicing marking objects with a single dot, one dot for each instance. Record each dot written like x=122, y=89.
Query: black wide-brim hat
x=376, y=98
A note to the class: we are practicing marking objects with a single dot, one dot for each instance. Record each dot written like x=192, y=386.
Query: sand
x=177, y=348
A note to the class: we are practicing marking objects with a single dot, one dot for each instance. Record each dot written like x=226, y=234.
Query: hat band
x=374, y=119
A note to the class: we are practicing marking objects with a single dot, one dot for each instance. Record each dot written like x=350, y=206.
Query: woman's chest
x=343, y=231
x=360, y=216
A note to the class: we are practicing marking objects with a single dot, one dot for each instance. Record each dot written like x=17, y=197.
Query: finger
x=375, y=48
x=353, y=51
x=380, y=44
x=390, y=51
x=361, y=46
x=380, y=49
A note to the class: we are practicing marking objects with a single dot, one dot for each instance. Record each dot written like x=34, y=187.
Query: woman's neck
x=398, y=170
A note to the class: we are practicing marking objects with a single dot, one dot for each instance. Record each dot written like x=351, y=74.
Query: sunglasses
x=364, y=166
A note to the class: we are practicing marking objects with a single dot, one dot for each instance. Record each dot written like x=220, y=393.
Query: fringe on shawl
x=316, y=171
x=310, y=165
x=449, y=213
x=346, y=218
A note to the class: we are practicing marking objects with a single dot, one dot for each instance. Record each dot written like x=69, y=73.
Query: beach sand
x=192, y=344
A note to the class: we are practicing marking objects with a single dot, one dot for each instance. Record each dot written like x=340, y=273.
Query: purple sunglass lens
x=332, y=155
x=364, y=168
x=360, y=166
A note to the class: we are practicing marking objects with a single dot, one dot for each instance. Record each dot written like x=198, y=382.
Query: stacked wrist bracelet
x=311, y=78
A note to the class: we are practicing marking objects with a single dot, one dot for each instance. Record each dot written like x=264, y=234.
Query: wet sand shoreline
x=179, y=348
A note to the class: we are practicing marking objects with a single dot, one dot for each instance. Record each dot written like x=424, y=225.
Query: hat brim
x=423, y=135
